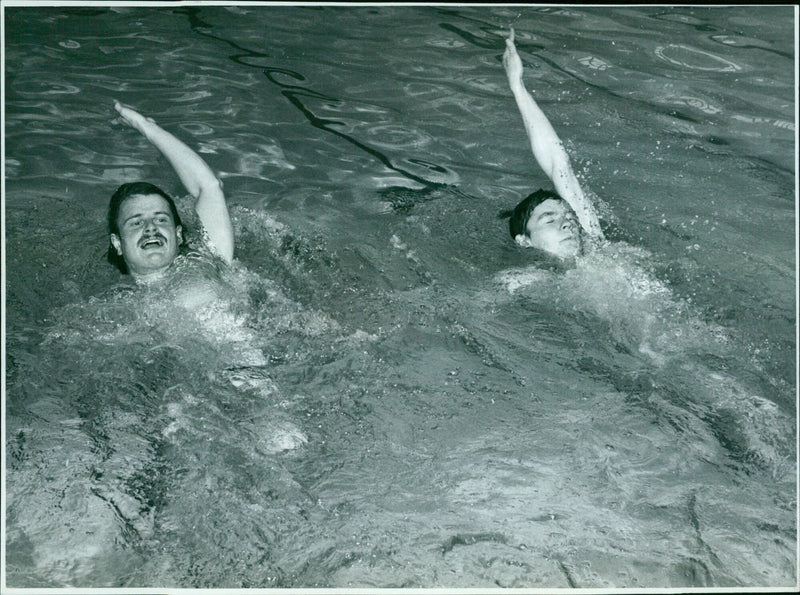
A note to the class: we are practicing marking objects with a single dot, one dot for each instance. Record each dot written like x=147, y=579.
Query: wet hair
x=126, y=191
x=519, y=215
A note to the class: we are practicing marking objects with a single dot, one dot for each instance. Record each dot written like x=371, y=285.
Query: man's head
x=144, y=228
x=545, y=221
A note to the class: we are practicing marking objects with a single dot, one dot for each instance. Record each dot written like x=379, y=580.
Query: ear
x=179, y=233
x=116, y=243
x=523, y=240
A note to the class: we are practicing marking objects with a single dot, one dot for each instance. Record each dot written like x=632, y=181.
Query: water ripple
x=32, y=88
x=694, y=59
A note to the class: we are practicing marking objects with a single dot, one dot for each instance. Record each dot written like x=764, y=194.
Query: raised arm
x=546, y=146
x=198, y=179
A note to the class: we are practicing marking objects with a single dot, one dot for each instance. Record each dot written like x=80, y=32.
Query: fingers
x=131, y=117
x=121, y=109
x=510, y=41
x=128, y=113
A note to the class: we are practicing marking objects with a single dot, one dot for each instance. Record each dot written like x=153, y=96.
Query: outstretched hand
x=511, y=61
x=132, y=117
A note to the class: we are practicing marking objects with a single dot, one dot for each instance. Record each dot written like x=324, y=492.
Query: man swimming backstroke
x=145, y=230
x=559, y=223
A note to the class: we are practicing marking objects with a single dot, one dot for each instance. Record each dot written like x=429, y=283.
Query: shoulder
x=200, y=246
x=200, y=254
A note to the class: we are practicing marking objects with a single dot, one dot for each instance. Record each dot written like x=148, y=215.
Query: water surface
x=389, y=393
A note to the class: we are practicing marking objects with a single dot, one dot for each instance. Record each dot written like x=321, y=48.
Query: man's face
x=553, y=227
x=148, y=238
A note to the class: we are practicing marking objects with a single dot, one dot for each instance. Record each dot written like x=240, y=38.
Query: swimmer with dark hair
x=145, y=230
x=558, y=223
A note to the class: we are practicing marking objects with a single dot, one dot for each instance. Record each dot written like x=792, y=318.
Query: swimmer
x=145, y=230
x=558, y=223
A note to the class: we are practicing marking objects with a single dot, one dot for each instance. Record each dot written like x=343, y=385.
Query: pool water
x=384, y=391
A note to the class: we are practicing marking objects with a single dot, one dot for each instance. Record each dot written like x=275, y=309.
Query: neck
x=150, y=277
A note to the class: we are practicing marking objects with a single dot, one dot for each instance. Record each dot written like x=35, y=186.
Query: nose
x=150, y=225
x=567, y=223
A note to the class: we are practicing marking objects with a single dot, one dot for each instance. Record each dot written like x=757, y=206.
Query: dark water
x=383, y=391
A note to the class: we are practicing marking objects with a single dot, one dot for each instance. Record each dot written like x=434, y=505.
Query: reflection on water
x=384, y=391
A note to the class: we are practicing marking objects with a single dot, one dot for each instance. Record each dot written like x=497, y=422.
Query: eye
x=163, y=219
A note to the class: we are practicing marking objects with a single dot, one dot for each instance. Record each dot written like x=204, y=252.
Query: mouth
x=150, y=242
